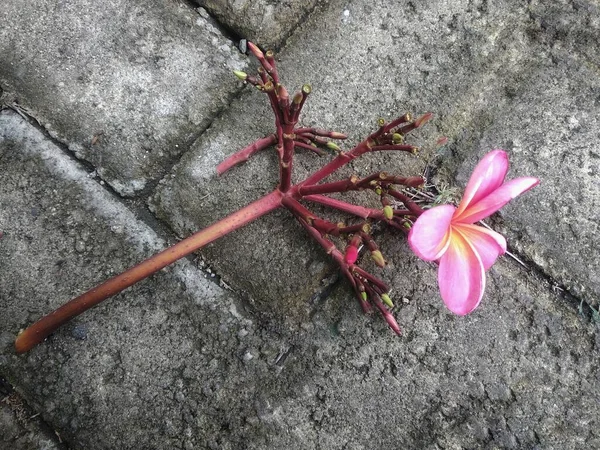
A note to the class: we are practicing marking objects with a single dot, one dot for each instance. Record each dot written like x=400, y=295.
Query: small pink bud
x=391, y=321
x=255, y=50
x=423, y=119
x=351, y=254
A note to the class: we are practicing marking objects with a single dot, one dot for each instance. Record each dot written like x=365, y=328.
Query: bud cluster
x=390, y=136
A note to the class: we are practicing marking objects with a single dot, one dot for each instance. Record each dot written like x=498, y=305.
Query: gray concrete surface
x=127, y=86
x=21, y=428
x=178, y=362
x=266, y=22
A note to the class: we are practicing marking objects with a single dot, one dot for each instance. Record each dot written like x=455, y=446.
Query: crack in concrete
x=584, y=308
x=23, y=414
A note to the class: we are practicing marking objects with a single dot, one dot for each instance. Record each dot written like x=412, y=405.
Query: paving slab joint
x=235, y=36
x=585, y=309
x=227, y=32
x=27, y=421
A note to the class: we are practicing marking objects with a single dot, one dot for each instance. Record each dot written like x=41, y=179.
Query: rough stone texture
x=173, y=362
x=121, y=367
x=126, y=85
x=547, y=114
x=265, y=22
x=20, y=427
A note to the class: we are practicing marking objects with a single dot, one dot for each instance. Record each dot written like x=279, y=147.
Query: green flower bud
x=333, y=146
x=378, y=258
x=241, y=75
x=388, y=212
x=387, y=300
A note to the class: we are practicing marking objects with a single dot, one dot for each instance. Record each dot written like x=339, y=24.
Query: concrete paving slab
x=548, y=118
x=175, y=362
x=63, y=233
x=127, y=86
x=265, y=22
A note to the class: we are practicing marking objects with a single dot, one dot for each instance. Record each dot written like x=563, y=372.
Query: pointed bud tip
x=307, y=89
x=377, y=257
x=441, y=141
x=336, y=135
x=255, y=50
x=387, y=300
x=241, y=75
x=364, y=296
x=423, y=119
x=388, y=212
x=333, y=146
x=391, y=321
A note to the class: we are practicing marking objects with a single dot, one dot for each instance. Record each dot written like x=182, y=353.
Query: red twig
x=244, y=154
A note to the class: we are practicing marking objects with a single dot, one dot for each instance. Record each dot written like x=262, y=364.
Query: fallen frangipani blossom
x=465, y=251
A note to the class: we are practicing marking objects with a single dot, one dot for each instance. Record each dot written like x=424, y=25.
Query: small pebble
x=79, y=332
x=79, y=246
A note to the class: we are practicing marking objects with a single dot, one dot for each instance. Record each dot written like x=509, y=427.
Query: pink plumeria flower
x=465, y=251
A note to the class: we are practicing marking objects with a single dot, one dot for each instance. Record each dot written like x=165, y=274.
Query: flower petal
x=461, y=276
x=429, y=235
x=497, y=199
x=487, y=177
x=487, y=243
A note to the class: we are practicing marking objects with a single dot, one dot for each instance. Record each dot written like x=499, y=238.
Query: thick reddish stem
x=37, y=332
x=244, y=154
x=340, y=161
x=312, y=148
x=348, y=184
x=359, y=211
x=285, y=171
x=411, y=205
